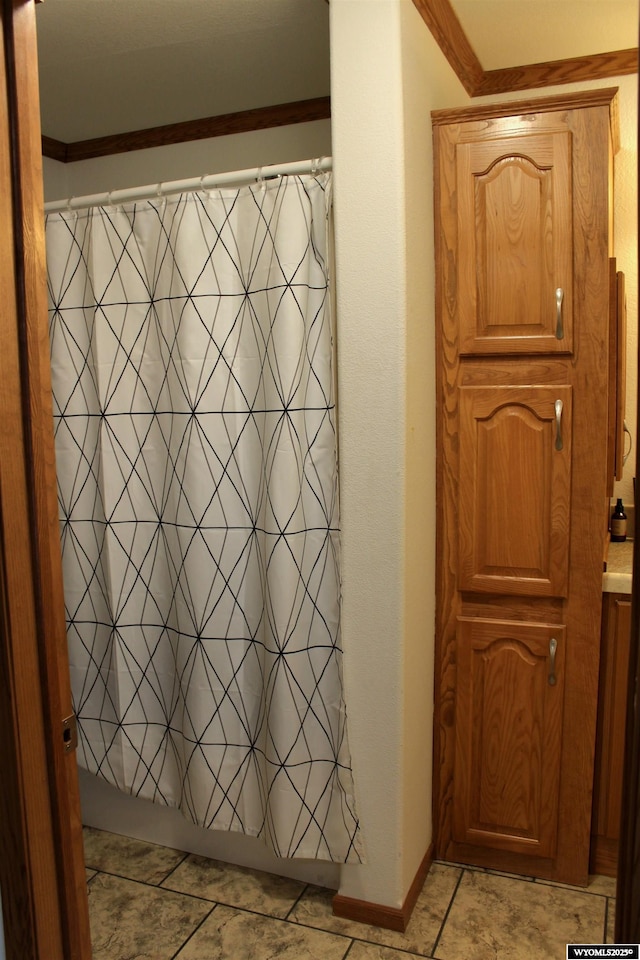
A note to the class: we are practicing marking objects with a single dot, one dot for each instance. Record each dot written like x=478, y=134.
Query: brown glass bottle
x=618, y=523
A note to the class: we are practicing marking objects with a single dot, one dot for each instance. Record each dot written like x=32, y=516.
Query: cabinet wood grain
x=515, y=280
x=508, y=734
x=514, y=522
x=522, y=201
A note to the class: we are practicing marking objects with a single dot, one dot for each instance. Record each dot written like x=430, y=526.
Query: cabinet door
x=514, y=493
x=508, y=735
x=515, y=244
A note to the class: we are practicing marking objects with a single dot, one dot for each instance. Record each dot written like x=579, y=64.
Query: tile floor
x=152, y=903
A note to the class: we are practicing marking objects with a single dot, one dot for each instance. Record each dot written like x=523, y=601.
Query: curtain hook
x=314, y=166
x=162, y=197
x=203, y=188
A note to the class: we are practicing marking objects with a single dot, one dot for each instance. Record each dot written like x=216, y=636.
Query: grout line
x=610, y=910
x=447, y=912
x=193, y=932
x=173, y=870
x=349, y=949
x=154, y=886
x=296, y=902
x=567, y=886
x=524, y=878
x=400, y=950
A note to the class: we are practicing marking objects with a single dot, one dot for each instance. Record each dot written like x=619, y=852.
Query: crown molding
x=283, y=114
x=441, y=19
x=447, y=31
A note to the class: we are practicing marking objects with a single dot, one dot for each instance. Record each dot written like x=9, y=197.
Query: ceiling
x=508, y=33
x=109, y=66
x=112, y=66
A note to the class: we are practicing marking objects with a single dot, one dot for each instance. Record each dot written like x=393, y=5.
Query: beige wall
x=387, y=75
x=428, y=83
x=371, y=309
x=626, y=252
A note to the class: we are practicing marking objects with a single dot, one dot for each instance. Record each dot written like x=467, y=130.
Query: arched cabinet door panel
x=508, y=735
x=515, y=244
x=515, y=485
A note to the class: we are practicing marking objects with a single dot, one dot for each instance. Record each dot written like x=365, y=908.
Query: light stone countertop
x=617, y=577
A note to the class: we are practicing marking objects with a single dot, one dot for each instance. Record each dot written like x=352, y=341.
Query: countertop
x=618, y=568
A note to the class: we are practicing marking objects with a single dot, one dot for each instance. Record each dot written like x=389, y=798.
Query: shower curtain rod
x=234, y=178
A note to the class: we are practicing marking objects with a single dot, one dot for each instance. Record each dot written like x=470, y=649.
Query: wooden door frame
x=627, y=925
x=42, y=876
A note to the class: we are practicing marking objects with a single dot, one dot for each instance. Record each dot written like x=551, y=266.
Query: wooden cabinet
x=607, y=790
x=509, y=700
x=523, y=380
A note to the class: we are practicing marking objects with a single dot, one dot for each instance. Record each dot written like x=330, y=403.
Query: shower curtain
x=195, y=424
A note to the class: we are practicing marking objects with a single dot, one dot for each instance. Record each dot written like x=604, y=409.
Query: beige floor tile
x=603, y=886
x=373, y=951
x=129, y=858
x=503, y=873
x=138, y=922
x=314, y=909
x=230, y=934
x=236, y=886
x=611, y=922
x=495, y=918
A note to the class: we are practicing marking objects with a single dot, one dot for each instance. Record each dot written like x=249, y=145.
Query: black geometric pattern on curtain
x=195, y=424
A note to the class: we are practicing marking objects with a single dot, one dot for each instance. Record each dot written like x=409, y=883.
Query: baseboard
x=376, y=914
x=603, y=857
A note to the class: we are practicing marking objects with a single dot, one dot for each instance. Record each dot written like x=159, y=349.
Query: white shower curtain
x=195, y=423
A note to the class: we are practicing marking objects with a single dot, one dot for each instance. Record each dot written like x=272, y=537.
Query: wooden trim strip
x=34, y=591
x=262, y=118
x=377, y=914
x=443, y=23
x=602, y=96
x=28, y=867
x=54, y=149
x=576, y=70
x=441, y=19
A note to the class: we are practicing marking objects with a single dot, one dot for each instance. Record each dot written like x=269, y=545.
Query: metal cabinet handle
x=553, y=646
x=558, y=408
x=559, y=323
